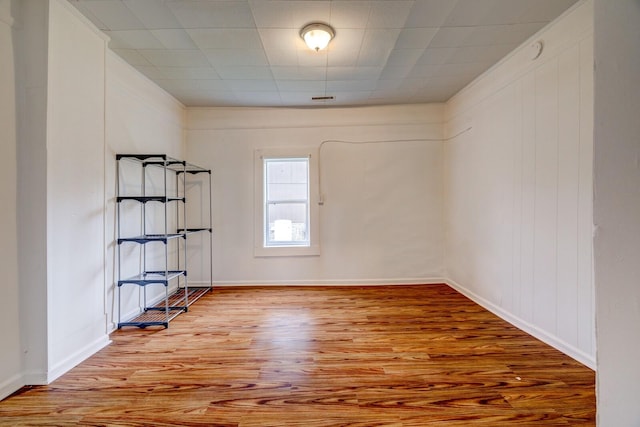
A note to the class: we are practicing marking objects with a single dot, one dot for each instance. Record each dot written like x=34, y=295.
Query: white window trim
x=259, y=250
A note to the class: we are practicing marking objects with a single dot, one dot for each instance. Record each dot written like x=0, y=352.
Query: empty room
x=320, y=212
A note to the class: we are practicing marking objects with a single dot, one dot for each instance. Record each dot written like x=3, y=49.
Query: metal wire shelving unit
x=166, y=266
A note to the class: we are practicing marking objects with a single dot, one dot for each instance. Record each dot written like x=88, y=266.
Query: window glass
x=286, y=196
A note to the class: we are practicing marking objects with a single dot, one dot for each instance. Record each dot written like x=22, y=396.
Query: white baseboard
x=73, y=360
x=35, y=378
x=331, y=282
x=11, y=385
x=553, y=341
x=44, y=378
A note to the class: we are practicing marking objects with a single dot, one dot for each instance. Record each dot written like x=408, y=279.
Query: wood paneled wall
x=519, y=188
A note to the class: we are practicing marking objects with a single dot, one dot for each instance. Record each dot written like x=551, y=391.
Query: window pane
x=286, y=201
x=288, y=192
x=287, y=171
x=287, y=222
x=287, y=179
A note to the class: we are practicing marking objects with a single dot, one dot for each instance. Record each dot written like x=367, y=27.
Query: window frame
x=260, y=204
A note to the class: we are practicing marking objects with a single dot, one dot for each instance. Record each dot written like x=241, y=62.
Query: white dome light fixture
x=317, y=35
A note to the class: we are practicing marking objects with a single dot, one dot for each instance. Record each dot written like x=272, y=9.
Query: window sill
x=286, y=251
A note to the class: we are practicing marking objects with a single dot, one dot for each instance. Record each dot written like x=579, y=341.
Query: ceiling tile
x=219, y=38
x=423, y=71
x=451, y=36
x=244, y=72
x=153, y=14
x=305, y=12
x=484, y=12
x=353, y=73
x=353, y=97
x=417, y=85
x=545, y=10
x=415, y=38
x=377, y=46
x=429, y=13
x=350, y=14
x=252, y=85
x=405, y=89
x=486, y=54
x=351, y=85
x=236, y=57
x=282, y=57
x=175, y=58
x=114, y=15
x=302, y=98
x=501, y=34
x=380, y=38
x=189, y=85
x=436, y=94
x=187, y=73
x=309, y=58
x=174, y=39
x=133, y=39
x=132, y=56
x=299, y=73
x=272, y=14
x=257, y=99
x=404, y=57
x=389, y=14
x=386, y=85
x=150, y=71
x=469, y=69
x=505, y=12
x=288, y=14
x=343, y=57
x=450, y=80
x=436, y=55
x=212, y=13
x=394, y=73
x=280, y=38
x=376, y=99
x=347, y=39
x=373, y=57
x=301, y=85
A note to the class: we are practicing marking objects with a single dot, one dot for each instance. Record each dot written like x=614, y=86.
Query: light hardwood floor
x=319, y=356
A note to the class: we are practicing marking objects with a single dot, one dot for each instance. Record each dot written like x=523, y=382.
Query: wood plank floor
x=319, y=356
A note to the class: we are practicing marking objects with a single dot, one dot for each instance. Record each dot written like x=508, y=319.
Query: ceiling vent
x=322, y=98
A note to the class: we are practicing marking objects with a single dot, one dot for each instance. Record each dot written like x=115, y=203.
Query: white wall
x=617, y=210
x=381, y=220
x=68, y=107
x=519, y=187
x=140, y=118
x=10, y=355
x=31, y=93
x=75, y=190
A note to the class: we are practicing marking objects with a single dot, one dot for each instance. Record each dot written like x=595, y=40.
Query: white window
x=286, y=201
x=286, y=205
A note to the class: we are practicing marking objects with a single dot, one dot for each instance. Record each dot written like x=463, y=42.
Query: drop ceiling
x=249, y=52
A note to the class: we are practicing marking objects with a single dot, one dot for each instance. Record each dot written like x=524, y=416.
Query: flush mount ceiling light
x=317, y=35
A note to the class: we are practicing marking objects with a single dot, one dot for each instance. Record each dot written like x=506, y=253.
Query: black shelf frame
x=194, y=170
x=182, y=296
x=148, y=238
x=153, y=277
